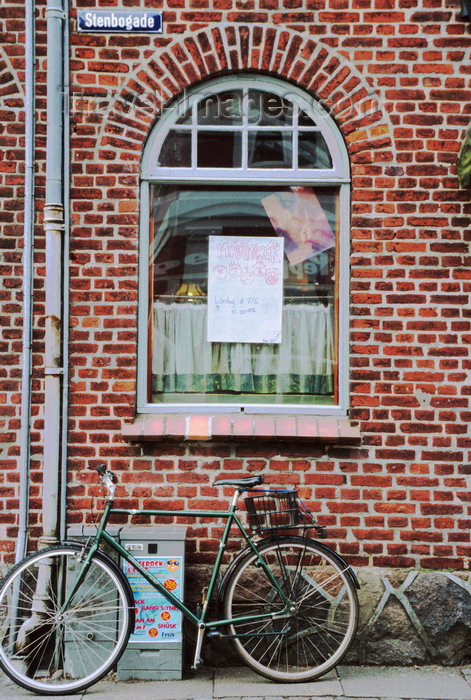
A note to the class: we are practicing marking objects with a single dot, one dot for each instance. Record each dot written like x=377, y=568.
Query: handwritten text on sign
x=245, y=289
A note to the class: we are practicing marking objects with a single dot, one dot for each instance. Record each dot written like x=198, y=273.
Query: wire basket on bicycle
x=278, y=509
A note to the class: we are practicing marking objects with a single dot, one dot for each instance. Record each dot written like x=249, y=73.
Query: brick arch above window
x=12, y=90
x=281, y=52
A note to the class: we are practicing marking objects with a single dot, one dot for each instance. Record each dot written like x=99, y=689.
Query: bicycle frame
x=231, y=519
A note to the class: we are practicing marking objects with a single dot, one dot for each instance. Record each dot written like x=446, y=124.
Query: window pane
x=221, y=109
x=313, y=151
x=270, y=149
x=176, y=150
x=304, y=119
x=185, y=118
x=185, y=366
x=266, y=109
x=219, y=149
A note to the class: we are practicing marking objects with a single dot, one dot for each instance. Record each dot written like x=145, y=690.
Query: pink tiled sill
x=325, y=429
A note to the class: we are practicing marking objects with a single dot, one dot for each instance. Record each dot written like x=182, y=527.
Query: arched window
x=244, y=253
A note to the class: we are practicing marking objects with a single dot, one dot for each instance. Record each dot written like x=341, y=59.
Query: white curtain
x=184, y=361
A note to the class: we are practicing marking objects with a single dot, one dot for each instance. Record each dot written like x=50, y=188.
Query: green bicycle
x=287, y=602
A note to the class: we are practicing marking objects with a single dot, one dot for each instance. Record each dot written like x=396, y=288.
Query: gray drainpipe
x=66, y=295
x=28, y=256
x=54, y=228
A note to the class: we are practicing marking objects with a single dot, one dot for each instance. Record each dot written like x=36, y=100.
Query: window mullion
x=295, y=137
x=245, y=118
x=194, y=135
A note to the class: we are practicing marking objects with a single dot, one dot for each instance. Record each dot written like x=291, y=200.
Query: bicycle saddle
x=247, y=482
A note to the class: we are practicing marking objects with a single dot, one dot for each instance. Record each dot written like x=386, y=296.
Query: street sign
x=124, y=21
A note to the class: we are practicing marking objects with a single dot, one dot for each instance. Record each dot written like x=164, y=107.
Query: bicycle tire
x=54, y=654
x=317, y=635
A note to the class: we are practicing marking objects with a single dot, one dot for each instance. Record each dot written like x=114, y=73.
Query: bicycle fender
x=344, y=564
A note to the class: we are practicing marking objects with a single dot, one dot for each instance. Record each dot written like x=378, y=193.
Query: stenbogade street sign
x=131, y=21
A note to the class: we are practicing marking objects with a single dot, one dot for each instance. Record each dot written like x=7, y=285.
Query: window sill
x=324, y=429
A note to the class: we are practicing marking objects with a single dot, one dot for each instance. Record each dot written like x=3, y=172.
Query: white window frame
x=338, y=175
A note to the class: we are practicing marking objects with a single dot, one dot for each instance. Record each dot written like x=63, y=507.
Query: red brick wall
x=397, y=80
x=12, y=185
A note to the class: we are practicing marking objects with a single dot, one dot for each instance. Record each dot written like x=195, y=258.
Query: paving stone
x=430, y=683
x=230, y=681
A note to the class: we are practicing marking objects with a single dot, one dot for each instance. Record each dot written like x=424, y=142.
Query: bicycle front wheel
x=55, y=651
x=320, y=625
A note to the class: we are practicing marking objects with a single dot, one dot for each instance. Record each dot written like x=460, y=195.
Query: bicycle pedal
x=197, y=665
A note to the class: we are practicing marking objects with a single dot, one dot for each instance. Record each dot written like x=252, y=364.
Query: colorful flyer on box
x=156, y=619
x=245, y=289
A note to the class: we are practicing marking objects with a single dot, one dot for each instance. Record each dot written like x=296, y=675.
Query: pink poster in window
x=299, y=219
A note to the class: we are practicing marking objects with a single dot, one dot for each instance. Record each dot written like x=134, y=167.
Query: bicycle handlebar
x=246, y=483
x=108, y=479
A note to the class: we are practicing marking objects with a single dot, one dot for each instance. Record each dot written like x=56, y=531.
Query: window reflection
x=219, y=149
x=221, y=109
x=270, y=149
x=183, y=361
x=266, y=109
x=176, y=150
x=304, y=119
x=313, y=151
x=252, y=129
x=185, y=118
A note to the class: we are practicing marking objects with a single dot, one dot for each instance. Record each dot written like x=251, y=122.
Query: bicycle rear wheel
x=58, y=653
x=316, y=634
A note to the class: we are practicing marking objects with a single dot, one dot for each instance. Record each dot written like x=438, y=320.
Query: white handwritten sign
x=245, y=289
